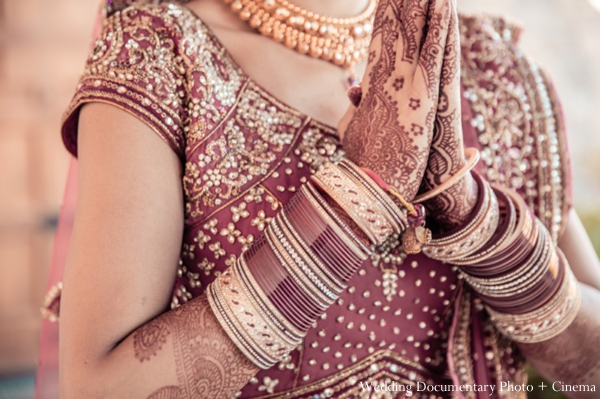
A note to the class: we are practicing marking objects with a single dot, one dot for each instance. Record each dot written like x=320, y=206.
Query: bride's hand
x=391, y=129
x=452, y=207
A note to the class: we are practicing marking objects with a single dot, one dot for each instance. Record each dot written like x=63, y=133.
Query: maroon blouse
x=245, y=154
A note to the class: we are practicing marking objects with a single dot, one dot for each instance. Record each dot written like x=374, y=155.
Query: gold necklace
x=342, y=41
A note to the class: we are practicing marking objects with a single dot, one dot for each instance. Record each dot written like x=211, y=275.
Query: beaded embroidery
x=245, y=154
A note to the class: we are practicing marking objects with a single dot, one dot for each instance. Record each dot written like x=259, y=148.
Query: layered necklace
x=341, y=41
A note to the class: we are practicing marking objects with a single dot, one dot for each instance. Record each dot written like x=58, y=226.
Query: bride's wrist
x=454, y=207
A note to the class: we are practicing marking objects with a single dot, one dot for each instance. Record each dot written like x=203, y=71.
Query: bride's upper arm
x=127, y=234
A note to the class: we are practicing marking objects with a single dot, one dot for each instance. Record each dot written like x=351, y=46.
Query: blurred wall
x=43, y=45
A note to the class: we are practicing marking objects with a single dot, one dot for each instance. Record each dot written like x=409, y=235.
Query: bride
x=233, y=238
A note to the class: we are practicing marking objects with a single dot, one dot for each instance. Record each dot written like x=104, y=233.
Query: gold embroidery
x=380, y=365
x=193, y=278
x=316, y=148
x=135, y=58
x=261, y=220
x=516, y=119
x=206, y=265
x=237, y=140
x=245, y=152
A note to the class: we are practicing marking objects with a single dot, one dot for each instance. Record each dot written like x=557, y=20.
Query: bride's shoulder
x=482, y=28
x=517, y=117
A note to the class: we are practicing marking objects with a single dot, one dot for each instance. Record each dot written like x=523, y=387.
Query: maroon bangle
x=531, y=299
x=343, y=270
x=509, y=258
x=507, y=212
x=271, y=278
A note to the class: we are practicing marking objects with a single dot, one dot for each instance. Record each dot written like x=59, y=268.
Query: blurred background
x=43, y=45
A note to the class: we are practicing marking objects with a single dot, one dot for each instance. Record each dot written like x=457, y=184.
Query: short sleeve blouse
x=136, y=65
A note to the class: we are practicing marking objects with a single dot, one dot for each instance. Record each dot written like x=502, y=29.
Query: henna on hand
x=391, y=129
x=453, y=207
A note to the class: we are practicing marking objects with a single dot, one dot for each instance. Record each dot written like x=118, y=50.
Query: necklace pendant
x=390, y=283
x=352, y=81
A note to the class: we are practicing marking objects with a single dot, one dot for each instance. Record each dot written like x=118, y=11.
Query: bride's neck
x=217, y=14
x=333, y=8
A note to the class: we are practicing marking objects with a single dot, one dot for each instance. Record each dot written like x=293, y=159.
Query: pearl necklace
x=342, y=41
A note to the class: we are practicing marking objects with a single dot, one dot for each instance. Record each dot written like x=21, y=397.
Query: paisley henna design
x=170, y=392
x=412, y=15
x=149, y=339
x=209, y=365
x=390, y=132
x=453, y=207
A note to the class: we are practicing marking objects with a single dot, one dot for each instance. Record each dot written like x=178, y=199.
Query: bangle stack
x=507, y=256
x=362, y=202
x=284, y=282
x=475, y=235
x=547, y=321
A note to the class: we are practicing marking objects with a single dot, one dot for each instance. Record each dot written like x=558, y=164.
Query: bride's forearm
x=573, y=357
x=181, y=353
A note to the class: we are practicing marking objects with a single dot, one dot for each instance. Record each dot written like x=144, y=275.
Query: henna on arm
x=208, y=363
x=572, y=357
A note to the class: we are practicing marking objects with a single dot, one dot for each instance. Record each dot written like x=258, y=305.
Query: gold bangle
x=471, y=238
x=269, y=345
x=366, y=213
x=473, y=157
x=399, y=219
x=375, y=178
x=236, y=337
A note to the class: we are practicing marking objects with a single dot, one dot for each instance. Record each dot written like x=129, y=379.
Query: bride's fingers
x=413, y=19
x=390, y=132
x=394, y=51
x=432, y=54
x=453, y=206
x=447, y=155
x=451, y=65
